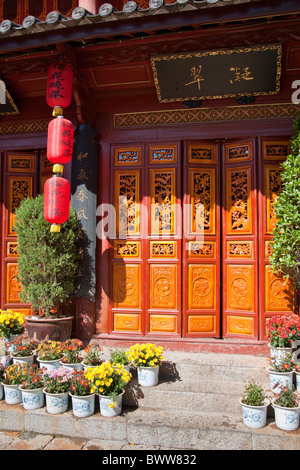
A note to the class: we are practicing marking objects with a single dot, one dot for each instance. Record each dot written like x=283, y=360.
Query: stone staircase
x=195, y=406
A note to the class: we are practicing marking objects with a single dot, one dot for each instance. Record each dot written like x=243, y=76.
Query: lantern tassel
x=55, y=228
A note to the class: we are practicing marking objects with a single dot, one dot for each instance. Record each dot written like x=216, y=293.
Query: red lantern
x=59, y=87
x=60, y=140
x=56, y=201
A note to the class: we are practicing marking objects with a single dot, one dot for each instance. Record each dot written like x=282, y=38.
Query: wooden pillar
x=84, y=201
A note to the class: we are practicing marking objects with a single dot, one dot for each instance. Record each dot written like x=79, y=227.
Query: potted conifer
x=47, y=269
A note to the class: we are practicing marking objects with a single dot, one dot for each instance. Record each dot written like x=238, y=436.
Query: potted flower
x=146, y=358
x=282, y=331
x=2, y=370
x=13, y=378
x=4, y=355
x=92, y=356
x=109, y=382
x=47, y=269
x=57, y=386
x=281, y=372
x=11, y=325
x=49, y=354
x=254, y=406
x=23, y=350
x=72, y=358
x=287, y=409
x=83, y=399
x=119, y=356
x=32, y=389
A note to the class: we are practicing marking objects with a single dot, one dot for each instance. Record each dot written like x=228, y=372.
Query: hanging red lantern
x=56, y=201
x=59, y=87
x=60, y=140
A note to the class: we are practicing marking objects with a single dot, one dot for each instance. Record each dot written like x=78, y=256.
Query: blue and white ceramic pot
x=286, y=418
x=255, y=416
x=32, y=399
x=12, y=394
x=83, y=406
x=148, y=376
x=57, y=403
x=110, y=408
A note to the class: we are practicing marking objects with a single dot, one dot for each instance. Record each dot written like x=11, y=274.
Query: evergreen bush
x=48, y=262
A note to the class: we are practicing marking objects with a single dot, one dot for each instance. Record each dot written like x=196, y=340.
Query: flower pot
x=85, y=366
x=286, y=418
x=49, y=365
x=10, y=349
x=12, y=394
x=32, y=399
x=77, y=366
x=5, y=360
x=148, y=376
x=44, y=329
x=83, y=406
x=277, y=354
x=279, y=380
x=1, y=392
x=57, y=403
x=255, y=416
x=110, y=408
x=21, y=360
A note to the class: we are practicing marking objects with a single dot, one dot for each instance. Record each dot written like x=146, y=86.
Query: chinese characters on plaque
x=220, y=73
x=84, y=201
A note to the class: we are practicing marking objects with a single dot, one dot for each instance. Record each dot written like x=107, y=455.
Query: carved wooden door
x=197, y=220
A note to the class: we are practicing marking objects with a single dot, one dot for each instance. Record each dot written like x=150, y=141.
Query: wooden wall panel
x=201, y=240
x=20, y=181
x=240, y=254
x=276, y=296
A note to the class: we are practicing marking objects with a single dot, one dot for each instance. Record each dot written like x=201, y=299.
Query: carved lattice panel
x=240, y=287
x=13, y=286
x=127, y=197
x=162, y=201
x=278, y=294
x=19, y=188
x=202, y=201
x=163, y=153
x=238, y=152
x=238, y=200
x=273, y=189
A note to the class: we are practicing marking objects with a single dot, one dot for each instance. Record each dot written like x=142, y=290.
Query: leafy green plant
x=287, y=398
x=254, y=395
x=285, y=258
x=48, y=262
x=118, y=356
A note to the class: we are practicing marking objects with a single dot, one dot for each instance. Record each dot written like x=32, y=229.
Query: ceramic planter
x=77, y=366
x=57, y=403
x=9, y=339
x=12, y=394
x=83, y=406
x=21, y=360
x=85, y=366
x=278, y=354
x=279, y=380
x=32, y=399
x=286, y=418
x=49, y=365
x=1, y=392
x=148, y=376
x=255, y=416
x=44, y=329
x=110, y=408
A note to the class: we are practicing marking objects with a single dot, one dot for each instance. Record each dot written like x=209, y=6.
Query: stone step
x=151, y=427
x=209, y=395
